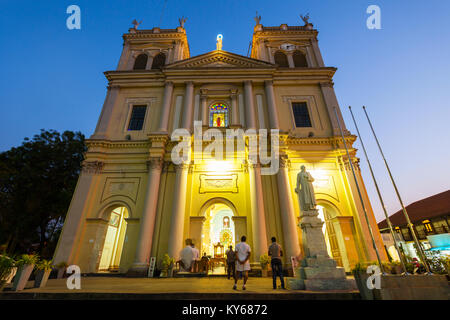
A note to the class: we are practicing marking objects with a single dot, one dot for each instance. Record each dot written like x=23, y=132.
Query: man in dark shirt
x=231, y=262
x=275, y=252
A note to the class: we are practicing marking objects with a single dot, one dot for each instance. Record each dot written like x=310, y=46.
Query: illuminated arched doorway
x=218, y=228
x=113, y=244
x=326, y=214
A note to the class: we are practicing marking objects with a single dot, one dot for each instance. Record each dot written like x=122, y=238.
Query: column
x=258, y=216
x=149, y=61
x=166, y=106
x=290, y=60
x=309, y=57
x=240, y=227
x=317, y=53
x=148, y=217
x=249, y=105
x=331, y=102
x=270, y=97
x=188, y=111
x=85, y=190
x=195, y=231
x=122, y=65
x=270, y=54
x=204, y=108
x=288, y=214
x=103, y=124
x=178, y=211
x=234, y=110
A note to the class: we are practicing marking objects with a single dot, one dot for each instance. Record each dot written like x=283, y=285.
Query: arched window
x=299, y=59
x=218, y=115
x=158, y=61
x=141, y=62
x=281, y=59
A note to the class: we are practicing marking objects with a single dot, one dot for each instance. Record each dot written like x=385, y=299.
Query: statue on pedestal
x=317, y=270
x=305, y=190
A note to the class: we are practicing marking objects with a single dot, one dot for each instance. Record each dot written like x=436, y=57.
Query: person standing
x=242, y=261
x=275, y=252
x=231, y=262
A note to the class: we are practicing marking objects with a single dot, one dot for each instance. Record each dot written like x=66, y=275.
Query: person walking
x=231, y=262
x=242, y=262
x=275, y=252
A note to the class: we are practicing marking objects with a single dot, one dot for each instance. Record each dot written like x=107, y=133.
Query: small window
x=218, y=115
x=299, y=59
x=141, y=62
x=301, y=114
x=427, y=225
x=137, y=118
x=158, y=61
x=281, y=59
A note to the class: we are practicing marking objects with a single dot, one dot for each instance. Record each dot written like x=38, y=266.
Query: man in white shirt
x=186, y=256
x=242, y=250
x=196, y=257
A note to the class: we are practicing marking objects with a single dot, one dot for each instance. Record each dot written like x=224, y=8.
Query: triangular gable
x=219, y=59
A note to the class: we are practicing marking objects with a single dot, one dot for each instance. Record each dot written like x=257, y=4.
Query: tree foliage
x=37, y=180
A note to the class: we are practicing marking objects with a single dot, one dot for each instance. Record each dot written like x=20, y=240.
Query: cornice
x=293, y=140
x=92, y=143
x=222, y=59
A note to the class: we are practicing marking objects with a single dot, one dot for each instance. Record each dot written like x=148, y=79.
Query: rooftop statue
x=182, y=21
x=219, y=42
x=257, y=18
x=136, y=24
x=305, y=19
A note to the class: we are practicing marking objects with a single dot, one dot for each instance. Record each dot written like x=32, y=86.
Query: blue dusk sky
x=52, y=77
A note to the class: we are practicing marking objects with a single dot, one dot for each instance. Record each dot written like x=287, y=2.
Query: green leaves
x=44, y=265
x=27, y=259
x=37, y=180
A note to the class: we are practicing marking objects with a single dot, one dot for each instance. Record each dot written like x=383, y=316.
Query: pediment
x=219, y=59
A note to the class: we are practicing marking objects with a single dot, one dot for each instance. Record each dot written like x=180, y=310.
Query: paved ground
x=173, y=288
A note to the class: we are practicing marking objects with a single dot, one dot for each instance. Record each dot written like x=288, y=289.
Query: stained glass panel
x=218, y=115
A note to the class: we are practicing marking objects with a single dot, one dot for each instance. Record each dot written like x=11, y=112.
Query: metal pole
x=410, y=225
x=379, y=195
x=359, y=193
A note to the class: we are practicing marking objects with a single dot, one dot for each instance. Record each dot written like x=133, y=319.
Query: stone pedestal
x=317, y=270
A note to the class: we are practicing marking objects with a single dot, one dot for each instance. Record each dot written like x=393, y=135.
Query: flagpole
x=359, y=193
x=379, y=195
x=405, y=213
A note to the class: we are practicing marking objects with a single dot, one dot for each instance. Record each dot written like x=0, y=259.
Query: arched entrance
x=113, y=244
x=218, y=229
x=327, y=213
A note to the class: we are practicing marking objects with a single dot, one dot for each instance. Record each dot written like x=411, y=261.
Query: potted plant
x=264, y=261
x=396, y=267
x=61, y=267
x=6, y=269
x=361, y=276
x=25, y=267
x=167, y=266
x=44, y=268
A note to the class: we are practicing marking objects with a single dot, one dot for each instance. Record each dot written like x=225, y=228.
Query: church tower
x=134, y=202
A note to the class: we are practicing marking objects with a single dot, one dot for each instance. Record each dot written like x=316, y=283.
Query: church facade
x=133, y=202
